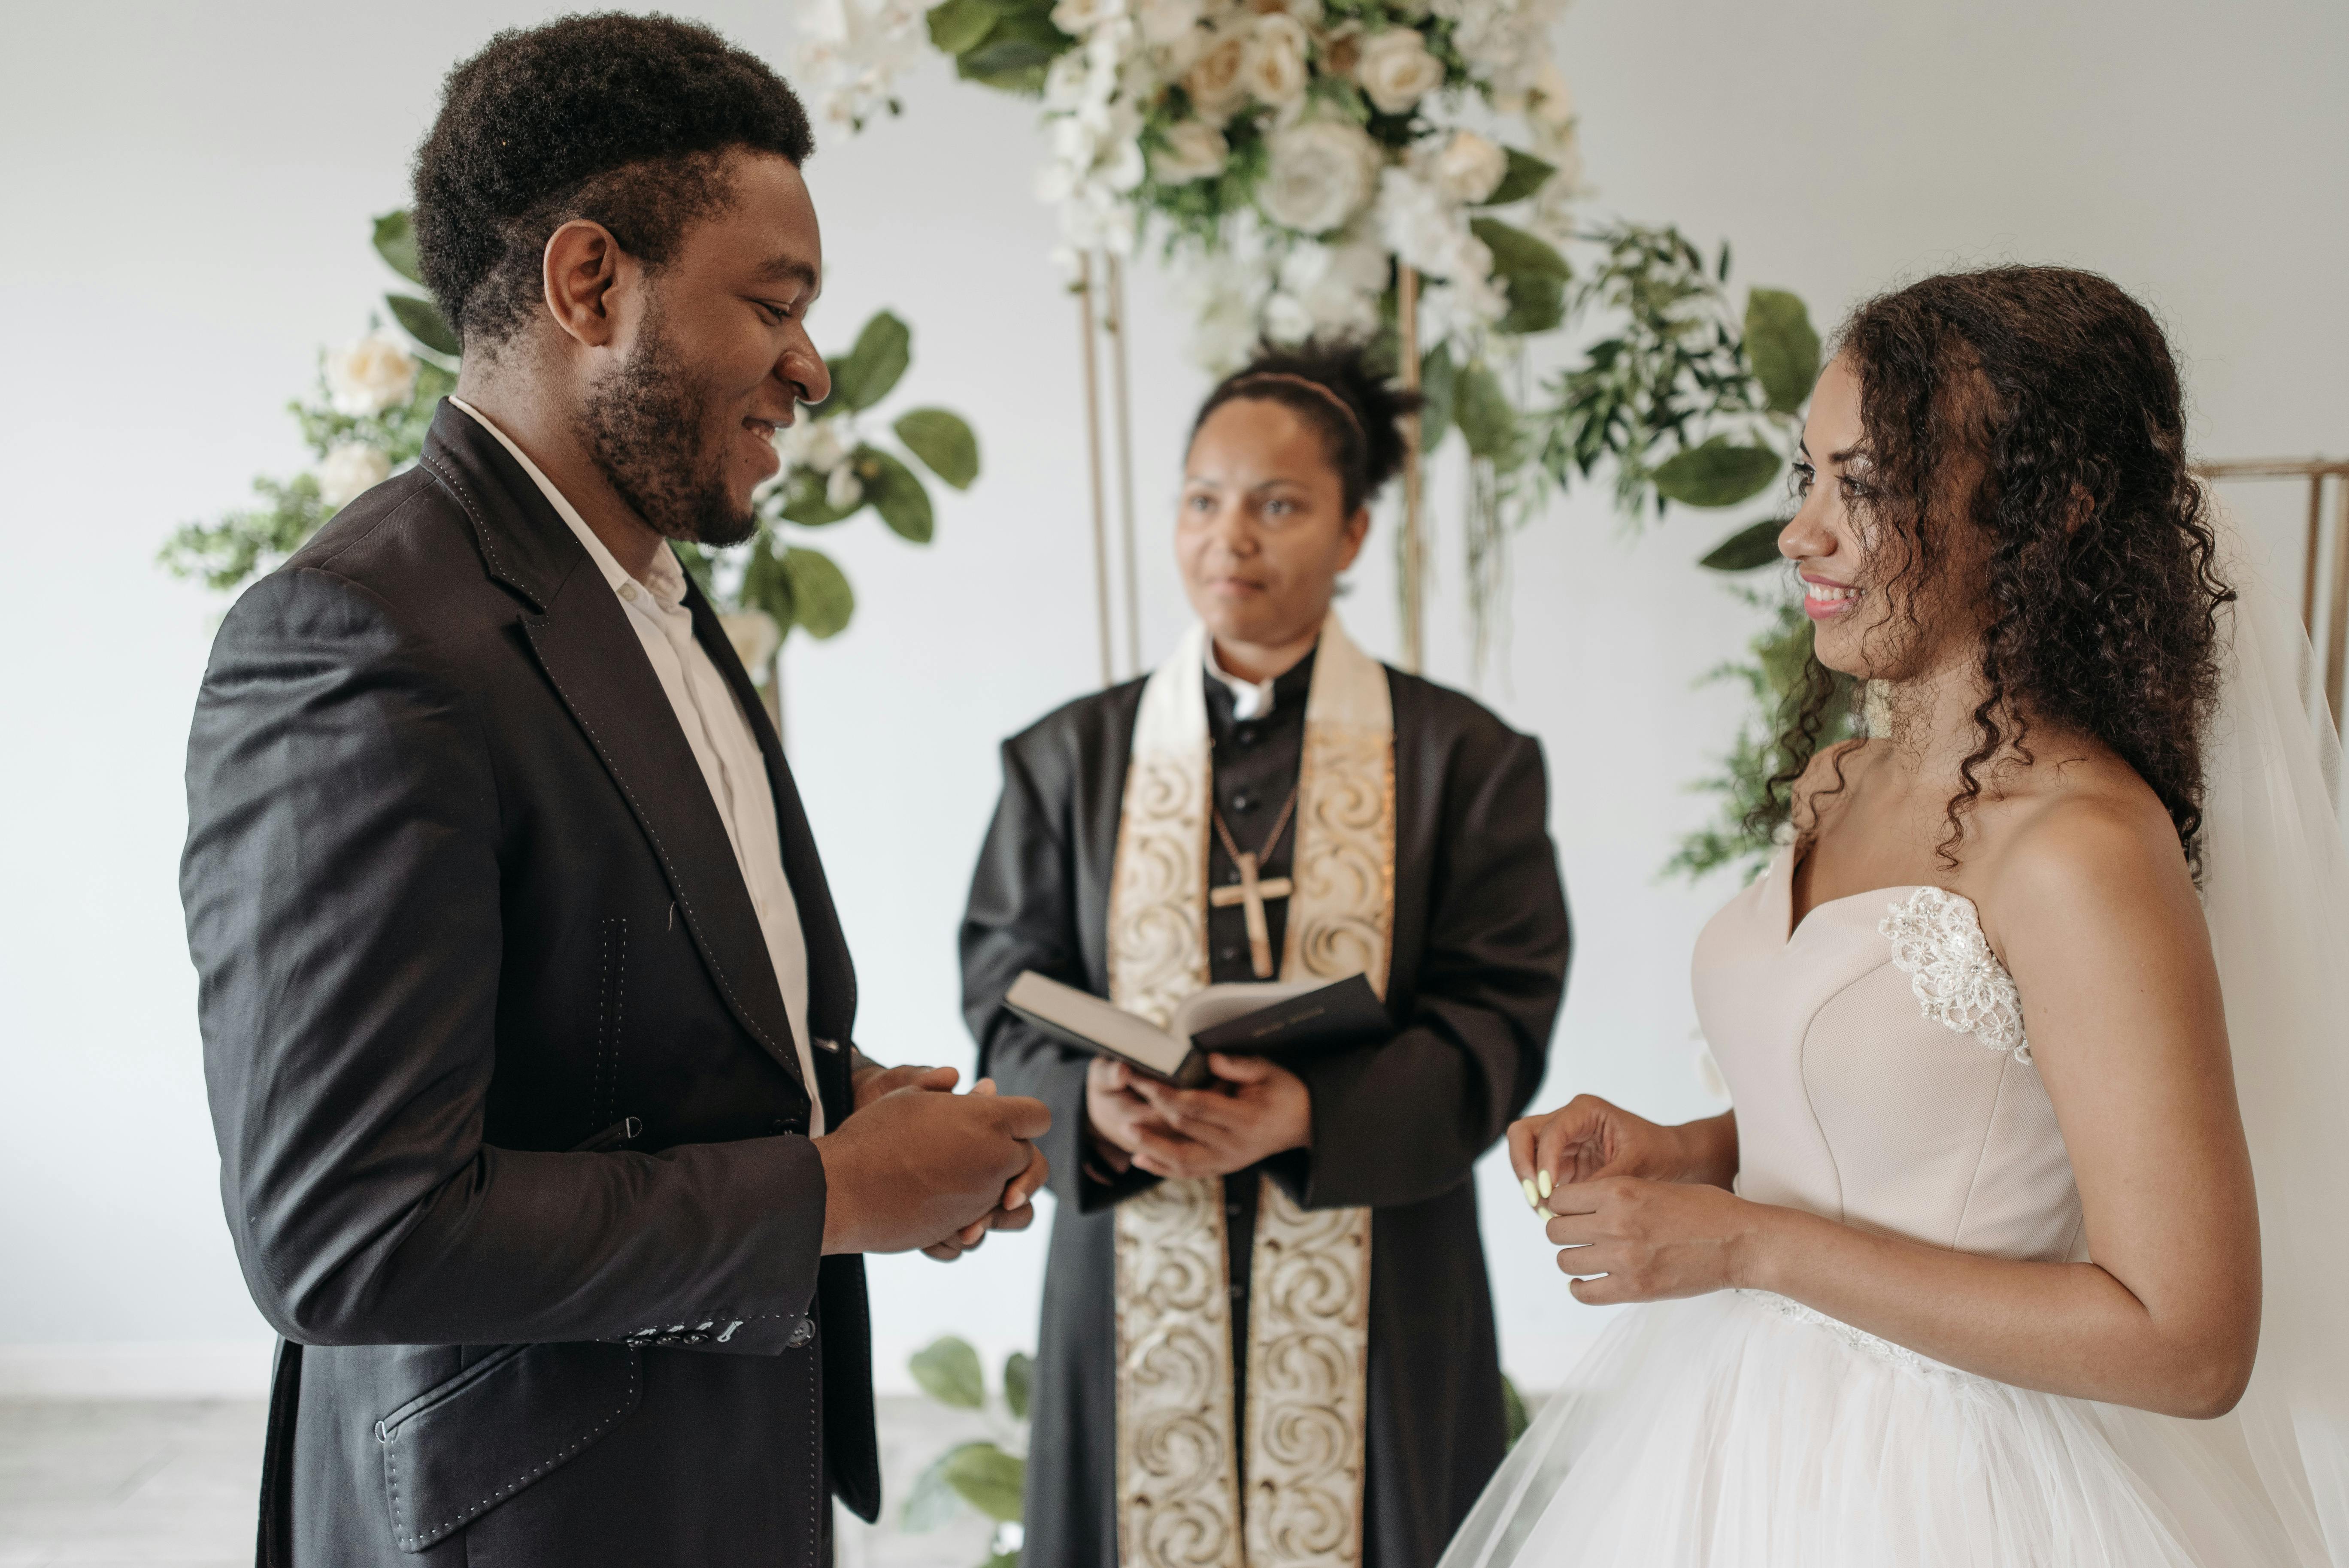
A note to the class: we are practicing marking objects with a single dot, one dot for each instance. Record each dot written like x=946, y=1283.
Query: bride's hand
x=1652, y=1240
x=1588, y=1138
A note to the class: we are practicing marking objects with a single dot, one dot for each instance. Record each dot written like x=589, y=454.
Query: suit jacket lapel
x=592, y=656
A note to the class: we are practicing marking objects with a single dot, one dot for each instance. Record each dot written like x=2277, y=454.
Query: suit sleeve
x=342, y=887
x=1402, y=1121
x=1023, y=915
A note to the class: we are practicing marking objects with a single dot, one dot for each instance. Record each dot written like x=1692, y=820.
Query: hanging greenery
x=376, y=397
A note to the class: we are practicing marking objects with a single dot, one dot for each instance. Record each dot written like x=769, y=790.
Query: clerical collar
x=1252, y=700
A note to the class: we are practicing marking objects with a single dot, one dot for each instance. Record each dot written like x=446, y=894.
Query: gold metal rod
x=2307, y=571
x=2272, y=468
x=1093, y=459
x=1413, y=561
x=2336, y=638
x=1121, y=401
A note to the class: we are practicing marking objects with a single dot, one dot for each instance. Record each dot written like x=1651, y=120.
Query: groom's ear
x=581, y=272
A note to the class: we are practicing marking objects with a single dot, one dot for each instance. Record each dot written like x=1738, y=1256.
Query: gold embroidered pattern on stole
x=1341, y=918
x=1308, y=1394
x=1177, y=1476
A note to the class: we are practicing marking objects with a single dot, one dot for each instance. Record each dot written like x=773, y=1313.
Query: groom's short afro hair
x=621, y=119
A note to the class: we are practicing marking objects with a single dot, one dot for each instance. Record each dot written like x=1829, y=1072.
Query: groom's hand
x=913, y=1167
x=871, y=1081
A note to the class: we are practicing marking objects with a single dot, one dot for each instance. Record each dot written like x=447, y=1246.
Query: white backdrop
x=184, y=195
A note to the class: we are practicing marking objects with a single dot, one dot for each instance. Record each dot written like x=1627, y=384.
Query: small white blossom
x=855, y=50
x=819, y=445
x=349, y=471
x=1078, y=17
x=371, y=376
x=843, y=489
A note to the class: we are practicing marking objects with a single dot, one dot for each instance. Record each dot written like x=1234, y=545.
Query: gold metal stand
x=2334, y=645
x=1087, y=329
x=1410, y=554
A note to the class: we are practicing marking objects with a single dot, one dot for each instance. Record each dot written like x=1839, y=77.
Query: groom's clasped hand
x=1644, y=1208
x=920, y=1166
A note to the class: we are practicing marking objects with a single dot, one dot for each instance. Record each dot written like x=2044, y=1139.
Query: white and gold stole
x=1178, y=1494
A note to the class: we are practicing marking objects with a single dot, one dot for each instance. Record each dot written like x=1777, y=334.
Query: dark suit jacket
x=459, y=900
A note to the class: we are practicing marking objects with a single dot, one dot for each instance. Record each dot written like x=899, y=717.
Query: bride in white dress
x=2023, y=1243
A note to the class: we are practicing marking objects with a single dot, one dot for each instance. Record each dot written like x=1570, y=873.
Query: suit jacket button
x=802, y=1332
x=778, y=1125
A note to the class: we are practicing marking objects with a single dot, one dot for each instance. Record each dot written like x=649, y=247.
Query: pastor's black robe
x=1478, y=966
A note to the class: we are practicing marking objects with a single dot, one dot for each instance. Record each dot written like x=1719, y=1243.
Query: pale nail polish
x=1545, y=1215
x=1545, y=1183
x=1533, y=1199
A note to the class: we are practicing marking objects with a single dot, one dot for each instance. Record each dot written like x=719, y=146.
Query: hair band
x=1316, y=387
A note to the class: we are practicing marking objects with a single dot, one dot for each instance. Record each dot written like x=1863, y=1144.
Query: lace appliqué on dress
x=1859, y=1339
x=1937, y=941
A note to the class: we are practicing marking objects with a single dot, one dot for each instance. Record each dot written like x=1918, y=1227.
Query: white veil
x=2276, y=891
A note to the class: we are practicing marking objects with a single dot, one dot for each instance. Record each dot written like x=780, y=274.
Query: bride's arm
x=2105, y=938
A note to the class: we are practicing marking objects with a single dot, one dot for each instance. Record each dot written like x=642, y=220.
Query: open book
x=1276, y=1020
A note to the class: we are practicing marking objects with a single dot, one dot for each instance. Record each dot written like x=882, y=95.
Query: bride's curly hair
x=2053, y=395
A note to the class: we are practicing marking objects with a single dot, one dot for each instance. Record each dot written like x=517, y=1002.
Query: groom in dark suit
x=528, y=1024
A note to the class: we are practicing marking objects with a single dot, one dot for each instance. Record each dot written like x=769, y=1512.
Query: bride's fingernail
x=1545, y=1215
x=1545, y=1183
x=1533, y=1199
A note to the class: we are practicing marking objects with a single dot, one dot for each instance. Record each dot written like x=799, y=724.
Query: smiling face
x=683, y=422
x=1872, y=617
x=1262, y=532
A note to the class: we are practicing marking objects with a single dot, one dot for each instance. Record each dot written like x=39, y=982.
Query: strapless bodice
x=1879, y=1063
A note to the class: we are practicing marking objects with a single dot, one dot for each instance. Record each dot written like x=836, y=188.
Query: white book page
x=1222, y=1003
x=1083, y=1013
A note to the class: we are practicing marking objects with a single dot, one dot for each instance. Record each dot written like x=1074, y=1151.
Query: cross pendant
x=1250, y=895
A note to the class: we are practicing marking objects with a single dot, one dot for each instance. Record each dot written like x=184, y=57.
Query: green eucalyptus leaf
x=422, y=319
x=822, y=602
x=1014, y=54
x=1750, y=548
x=1488, y=420
x=896, y=493
x=865, y=374
x=1782, y=347
x=944, y=443
x=947, y=1369
x=806, y=503
x=1517, y=254
x=956, y=25
x=1537, y=304
x=1526, y=175
x=1718, y=473
x=932, y=1502
x=766, y=585
x=990, y=1480
x=1513, y=1416
x=1019, y=1381
x=394, y=242
x=1438, y=384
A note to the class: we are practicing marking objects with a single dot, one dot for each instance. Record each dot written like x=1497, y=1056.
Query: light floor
x=123, y=1482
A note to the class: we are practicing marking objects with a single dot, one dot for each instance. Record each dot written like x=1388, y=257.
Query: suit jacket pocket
x=464, y=1446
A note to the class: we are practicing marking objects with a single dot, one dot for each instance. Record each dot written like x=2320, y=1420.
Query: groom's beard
x=645, y=423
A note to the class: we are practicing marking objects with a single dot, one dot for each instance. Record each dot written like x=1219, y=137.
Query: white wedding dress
x=1879, y=1064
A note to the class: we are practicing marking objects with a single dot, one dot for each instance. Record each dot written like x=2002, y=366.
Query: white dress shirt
x=720, y=733
x=1250, y=699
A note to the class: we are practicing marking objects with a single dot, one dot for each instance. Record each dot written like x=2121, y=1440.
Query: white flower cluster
x=371, y=376
x=856, y=49
x=823, y=447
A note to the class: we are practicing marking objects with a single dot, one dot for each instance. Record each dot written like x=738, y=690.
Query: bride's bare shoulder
x=2091, y=841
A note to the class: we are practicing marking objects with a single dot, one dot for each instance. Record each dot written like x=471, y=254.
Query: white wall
x=183, y=199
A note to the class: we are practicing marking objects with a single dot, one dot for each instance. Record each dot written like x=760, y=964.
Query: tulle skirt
x=1741, y=1428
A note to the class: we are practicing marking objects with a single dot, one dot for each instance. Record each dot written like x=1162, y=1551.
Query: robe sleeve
x=1402, y=1121
x=1023, y=915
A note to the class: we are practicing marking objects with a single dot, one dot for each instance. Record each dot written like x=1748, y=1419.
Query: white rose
x=755, y=637
x=1275, y=70
x=1078, y=17
x=1396, y=70
x=1550, y=102
x=1193, y=151
x=1064, y=81
x=843, y=489
x=1468, y=168
x=350, y=470
x=1321, y=175
x=1214, y=80
x=369, y=375
x=1167, y=21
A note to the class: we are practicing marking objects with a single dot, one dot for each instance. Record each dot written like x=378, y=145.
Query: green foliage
x=896, y=494
x=958, y=25
x=866, y=373
x=1771, y=675
x=1001, y=44
x=930, y=1502
x=394, y=242
x=243, y=545
x=990, y=1480
x=1438, y=386
x=1717, y=472
x=1517, y=254
x=766, y=585
x=1019, y=1382
x=948, y=1370
x=1513, y=1416
x=1783, y=348
x=800, y=499
x=942, y=442
x=821, y=600
x=421, y=318
x=1754, y=545
x=1526, y=175
x=1488, y=419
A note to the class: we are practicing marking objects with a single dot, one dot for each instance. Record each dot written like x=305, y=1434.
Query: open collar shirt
x=723, y=745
